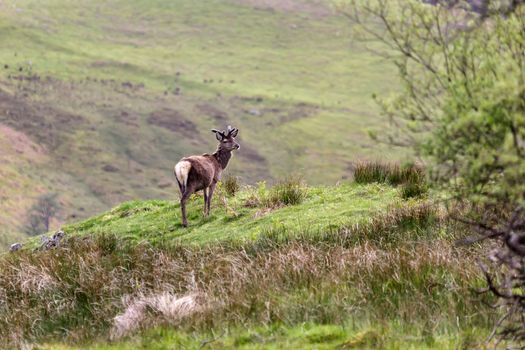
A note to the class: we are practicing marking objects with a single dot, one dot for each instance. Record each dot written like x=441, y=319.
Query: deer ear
x=234, y=132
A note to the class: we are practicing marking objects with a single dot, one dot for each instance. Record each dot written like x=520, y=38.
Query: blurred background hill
x=98, y=99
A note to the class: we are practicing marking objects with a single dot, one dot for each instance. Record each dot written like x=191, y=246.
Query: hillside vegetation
x=349, y=266
x=107, y=96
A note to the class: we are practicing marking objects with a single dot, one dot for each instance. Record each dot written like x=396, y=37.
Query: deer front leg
x=210, y=195
x=206, y=212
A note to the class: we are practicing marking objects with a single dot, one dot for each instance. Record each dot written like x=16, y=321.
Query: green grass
x=325, y=208
x=307, y=336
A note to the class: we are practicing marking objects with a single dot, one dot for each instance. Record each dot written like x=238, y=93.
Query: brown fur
x=206, y=171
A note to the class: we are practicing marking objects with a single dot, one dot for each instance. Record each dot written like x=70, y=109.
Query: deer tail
x=182, y=169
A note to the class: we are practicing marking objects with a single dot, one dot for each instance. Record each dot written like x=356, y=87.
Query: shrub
x=231, y=185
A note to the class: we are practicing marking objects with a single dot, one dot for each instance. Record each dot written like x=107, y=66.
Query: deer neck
x=223, y=157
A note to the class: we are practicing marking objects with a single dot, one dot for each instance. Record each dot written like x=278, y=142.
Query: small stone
x=15, y=246
x=58, y=235
x=255, y=112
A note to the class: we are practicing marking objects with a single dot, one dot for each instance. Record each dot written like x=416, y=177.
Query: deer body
x=197, y=173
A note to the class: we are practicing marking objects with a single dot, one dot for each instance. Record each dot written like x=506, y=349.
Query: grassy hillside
x=324, y=209
x=350, y=266
x=111, y=94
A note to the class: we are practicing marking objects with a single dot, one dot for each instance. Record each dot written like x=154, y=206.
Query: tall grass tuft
x=231, y=185
x=410, y=177
x=413, y=190
x=289, y=191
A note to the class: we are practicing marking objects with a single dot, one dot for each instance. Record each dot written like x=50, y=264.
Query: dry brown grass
x=100, y=286
x=158, y=308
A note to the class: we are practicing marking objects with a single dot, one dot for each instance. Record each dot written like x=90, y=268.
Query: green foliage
x=463, y=103
x=340, y=337
x=479, y=137
x=463, y=108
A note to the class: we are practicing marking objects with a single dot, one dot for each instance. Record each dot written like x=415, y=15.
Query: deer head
x=227, y=138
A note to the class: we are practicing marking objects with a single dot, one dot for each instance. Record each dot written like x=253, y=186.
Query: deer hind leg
x=183, y=200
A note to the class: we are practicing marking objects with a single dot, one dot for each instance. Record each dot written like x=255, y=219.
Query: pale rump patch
x=182, y=169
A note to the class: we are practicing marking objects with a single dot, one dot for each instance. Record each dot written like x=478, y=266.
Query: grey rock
x=15, y=246
x=255, y=112
x=54, y=241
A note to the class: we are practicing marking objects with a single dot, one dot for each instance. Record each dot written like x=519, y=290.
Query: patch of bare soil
x=174, y=121
x=249, y=153
x=128, y=119
x=316, y=8
x=211, y=111
x=17, y=188
x=45, y=125
x=297, y=112
x=21, y=144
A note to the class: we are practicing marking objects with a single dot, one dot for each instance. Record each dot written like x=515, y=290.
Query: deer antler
x=225, y=134
x=231, y=130
x=219, y=134
x=222, y=133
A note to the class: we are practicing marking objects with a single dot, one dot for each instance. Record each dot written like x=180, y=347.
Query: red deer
x=197, y=173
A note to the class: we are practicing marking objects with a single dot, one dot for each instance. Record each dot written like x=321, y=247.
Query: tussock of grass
x=289, y=191
x=231, y=185
x=393, y=174
x=413, y=190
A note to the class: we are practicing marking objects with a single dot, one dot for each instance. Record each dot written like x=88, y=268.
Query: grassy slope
x=324, y=209
x=83, y=80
